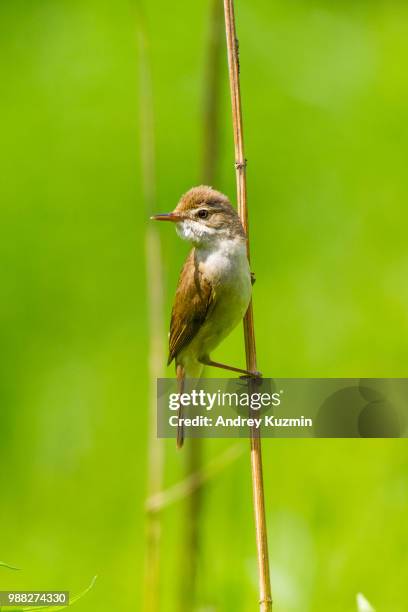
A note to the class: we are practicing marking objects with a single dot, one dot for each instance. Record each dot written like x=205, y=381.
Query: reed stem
x=265, y=593
x=155, y=306
x=212, y=95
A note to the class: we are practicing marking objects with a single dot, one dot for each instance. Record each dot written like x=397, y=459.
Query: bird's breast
x=227, y=269
x=226, y=264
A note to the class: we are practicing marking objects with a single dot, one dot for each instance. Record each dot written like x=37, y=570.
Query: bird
x=214, y=287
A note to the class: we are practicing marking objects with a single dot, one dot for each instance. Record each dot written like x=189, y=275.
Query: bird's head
x=203, y=216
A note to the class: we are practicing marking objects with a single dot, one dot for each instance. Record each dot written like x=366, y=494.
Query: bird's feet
x=252, y=376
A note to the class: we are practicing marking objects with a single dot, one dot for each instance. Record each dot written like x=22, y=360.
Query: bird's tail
x=180, y=374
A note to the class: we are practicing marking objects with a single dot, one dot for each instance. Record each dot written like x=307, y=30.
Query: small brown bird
x=214, y=287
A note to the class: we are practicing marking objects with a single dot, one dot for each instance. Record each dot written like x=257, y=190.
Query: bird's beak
x=174, y=217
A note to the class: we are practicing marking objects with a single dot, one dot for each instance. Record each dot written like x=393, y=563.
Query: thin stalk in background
x=210, y=157
x=155, y=307
x=212, y=95
x=249, y=330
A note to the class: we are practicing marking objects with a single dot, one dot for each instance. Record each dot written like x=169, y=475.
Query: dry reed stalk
x=155, y=306
x=249, y=330
x=186, y=487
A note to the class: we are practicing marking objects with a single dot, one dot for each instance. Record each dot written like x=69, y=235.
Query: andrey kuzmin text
x=239, y=421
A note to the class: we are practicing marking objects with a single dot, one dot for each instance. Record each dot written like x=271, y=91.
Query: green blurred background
x=325, y=93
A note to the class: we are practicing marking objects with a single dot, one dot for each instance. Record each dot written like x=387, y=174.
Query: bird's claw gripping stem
x=252, y=376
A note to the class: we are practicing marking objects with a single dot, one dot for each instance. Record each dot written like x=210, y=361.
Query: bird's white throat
x=197, y=232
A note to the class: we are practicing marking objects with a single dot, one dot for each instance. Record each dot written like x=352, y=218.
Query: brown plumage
x=192, y=304
x=217, y=202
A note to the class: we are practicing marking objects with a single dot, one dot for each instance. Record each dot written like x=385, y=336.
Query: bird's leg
x=215, y=364
x=180, y=374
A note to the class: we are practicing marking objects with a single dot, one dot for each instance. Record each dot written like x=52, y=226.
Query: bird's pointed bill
x=175, y=218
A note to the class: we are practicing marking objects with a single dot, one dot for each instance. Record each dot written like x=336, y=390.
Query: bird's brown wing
x=193, y=301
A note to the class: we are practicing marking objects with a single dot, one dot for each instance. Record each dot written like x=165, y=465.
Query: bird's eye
x=202, y=213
